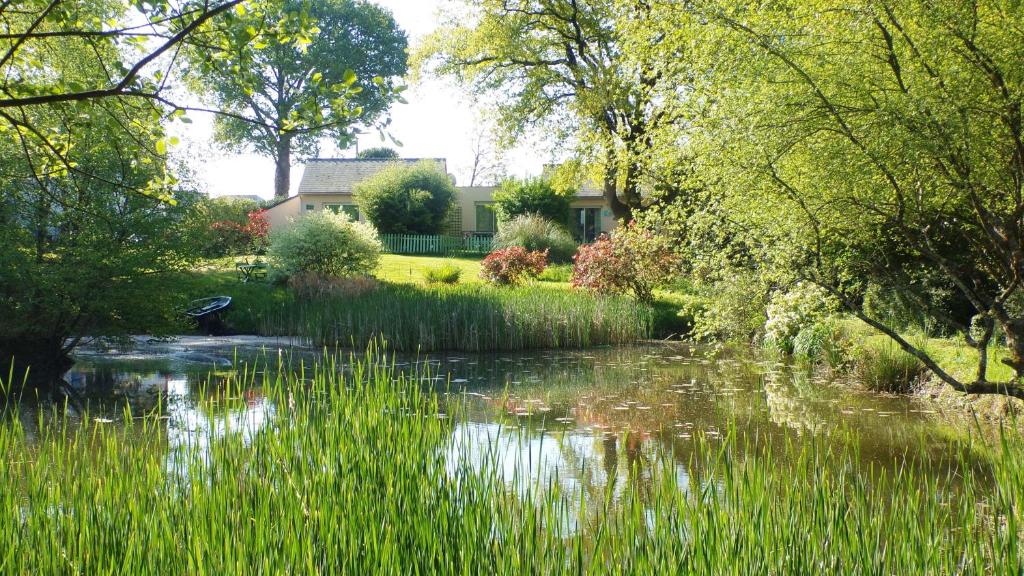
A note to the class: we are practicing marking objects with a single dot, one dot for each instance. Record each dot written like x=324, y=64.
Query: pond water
x=584, y=417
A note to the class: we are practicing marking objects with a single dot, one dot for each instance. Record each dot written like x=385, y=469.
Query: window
x=586, y=224
x=486, y=220
x=350, y=210
x=310, y=207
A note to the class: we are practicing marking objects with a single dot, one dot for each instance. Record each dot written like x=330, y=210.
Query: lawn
x=410, y=269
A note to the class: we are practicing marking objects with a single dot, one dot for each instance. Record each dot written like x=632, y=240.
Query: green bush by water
x=884, y=367
x=470, y=317
x=358, y=474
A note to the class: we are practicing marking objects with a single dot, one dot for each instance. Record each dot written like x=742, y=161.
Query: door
x=586, y=224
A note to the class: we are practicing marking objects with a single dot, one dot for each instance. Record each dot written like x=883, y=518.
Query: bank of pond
x=640, y=459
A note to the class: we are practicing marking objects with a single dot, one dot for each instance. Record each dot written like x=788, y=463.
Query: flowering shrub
x=630, y=260
x=231, y=237
x=326, y=244
x=510, y=265
x=791, y=312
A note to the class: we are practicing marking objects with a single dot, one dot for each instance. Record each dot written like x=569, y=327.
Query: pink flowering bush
x=509, y=266
x=232, y=237
x=630, y=260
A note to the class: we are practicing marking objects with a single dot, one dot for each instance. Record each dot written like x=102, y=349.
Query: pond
x=587, y=418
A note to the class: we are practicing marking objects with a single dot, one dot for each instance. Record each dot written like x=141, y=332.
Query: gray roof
x=339, y=175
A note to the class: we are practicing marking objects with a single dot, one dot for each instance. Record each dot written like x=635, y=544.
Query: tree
x=531, y=196
x=136, y=45
x=381, y=153
x=84, y=254
x=405, y=199
x=486, y=166
x=283, y=97
x=559, y=65
x=873, y=144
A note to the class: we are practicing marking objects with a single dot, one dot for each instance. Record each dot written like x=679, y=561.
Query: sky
x=438, y=121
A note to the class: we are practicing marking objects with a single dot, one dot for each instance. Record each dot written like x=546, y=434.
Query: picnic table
x=246, y=270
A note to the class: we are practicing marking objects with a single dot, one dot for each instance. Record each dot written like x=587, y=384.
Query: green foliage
x=318, y=70
x=792, y=312
x=471, y=317
x=532, y=196
x=883, y=367
x=84, y=253
x=556, y=273
x=446, y=274
x=630, y=260
x=537, y=234
x=845, y=161
x=510, y=266
x=326, y=244
x=561, y=68
x=403, y=199
x=215, y=226
x=334, y=480
x=381, y=153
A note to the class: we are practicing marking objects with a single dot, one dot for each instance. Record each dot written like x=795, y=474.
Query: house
x=329, y=183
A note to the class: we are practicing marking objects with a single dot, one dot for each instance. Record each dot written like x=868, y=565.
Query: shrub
x=327, y=245
x=630, y=260
x=557, y=273
x=508, y=266
x=446, y=274
x=537, y=234
x=794, y=311
x=884, y=367
x=227, y=227
x=531, y=196
x=407, y=199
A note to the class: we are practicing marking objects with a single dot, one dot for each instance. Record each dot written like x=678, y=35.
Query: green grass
x=410, y=269
x=357, y=475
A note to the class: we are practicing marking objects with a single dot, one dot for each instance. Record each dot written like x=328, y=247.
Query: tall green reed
x=463, y=317
x=355, y=473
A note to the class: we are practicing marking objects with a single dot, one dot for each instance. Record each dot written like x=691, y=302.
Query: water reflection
x=596, y=420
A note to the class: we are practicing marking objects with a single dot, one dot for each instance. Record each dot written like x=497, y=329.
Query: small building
x=329, y=184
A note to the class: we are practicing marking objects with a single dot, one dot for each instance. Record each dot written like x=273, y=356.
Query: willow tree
x=558, y=66
x=324, y=68
x=878, y=144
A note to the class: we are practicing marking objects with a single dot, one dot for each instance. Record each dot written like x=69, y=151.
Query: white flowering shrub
x=326, y=244
x=799, y=309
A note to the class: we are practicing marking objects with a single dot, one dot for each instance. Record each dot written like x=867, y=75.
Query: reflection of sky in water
x=190, y=430
x=583, y=418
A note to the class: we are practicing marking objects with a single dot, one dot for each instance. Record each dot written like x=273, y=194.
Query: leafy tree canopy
x=381, y=153
x=404, y=199
x=864, y=144
x=560, y=66
x=283, y=97
x=536, y=196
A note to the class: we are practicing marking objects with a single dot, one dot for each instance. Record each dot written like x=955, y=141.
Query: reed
x=460, y=317
x=356, y=472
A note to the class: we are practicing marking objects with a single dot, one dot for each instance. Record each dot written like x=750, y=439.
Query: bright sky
x=438, y=121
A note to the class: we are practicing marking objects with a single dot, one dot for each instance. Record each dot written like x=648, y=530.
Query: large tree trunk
x=1013, y=329
x=283, y=167
x=620, y=210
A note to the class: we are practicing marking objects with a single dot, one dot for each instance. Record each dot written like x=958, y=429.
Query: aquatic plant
x=472, y=317
x=356, y=471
